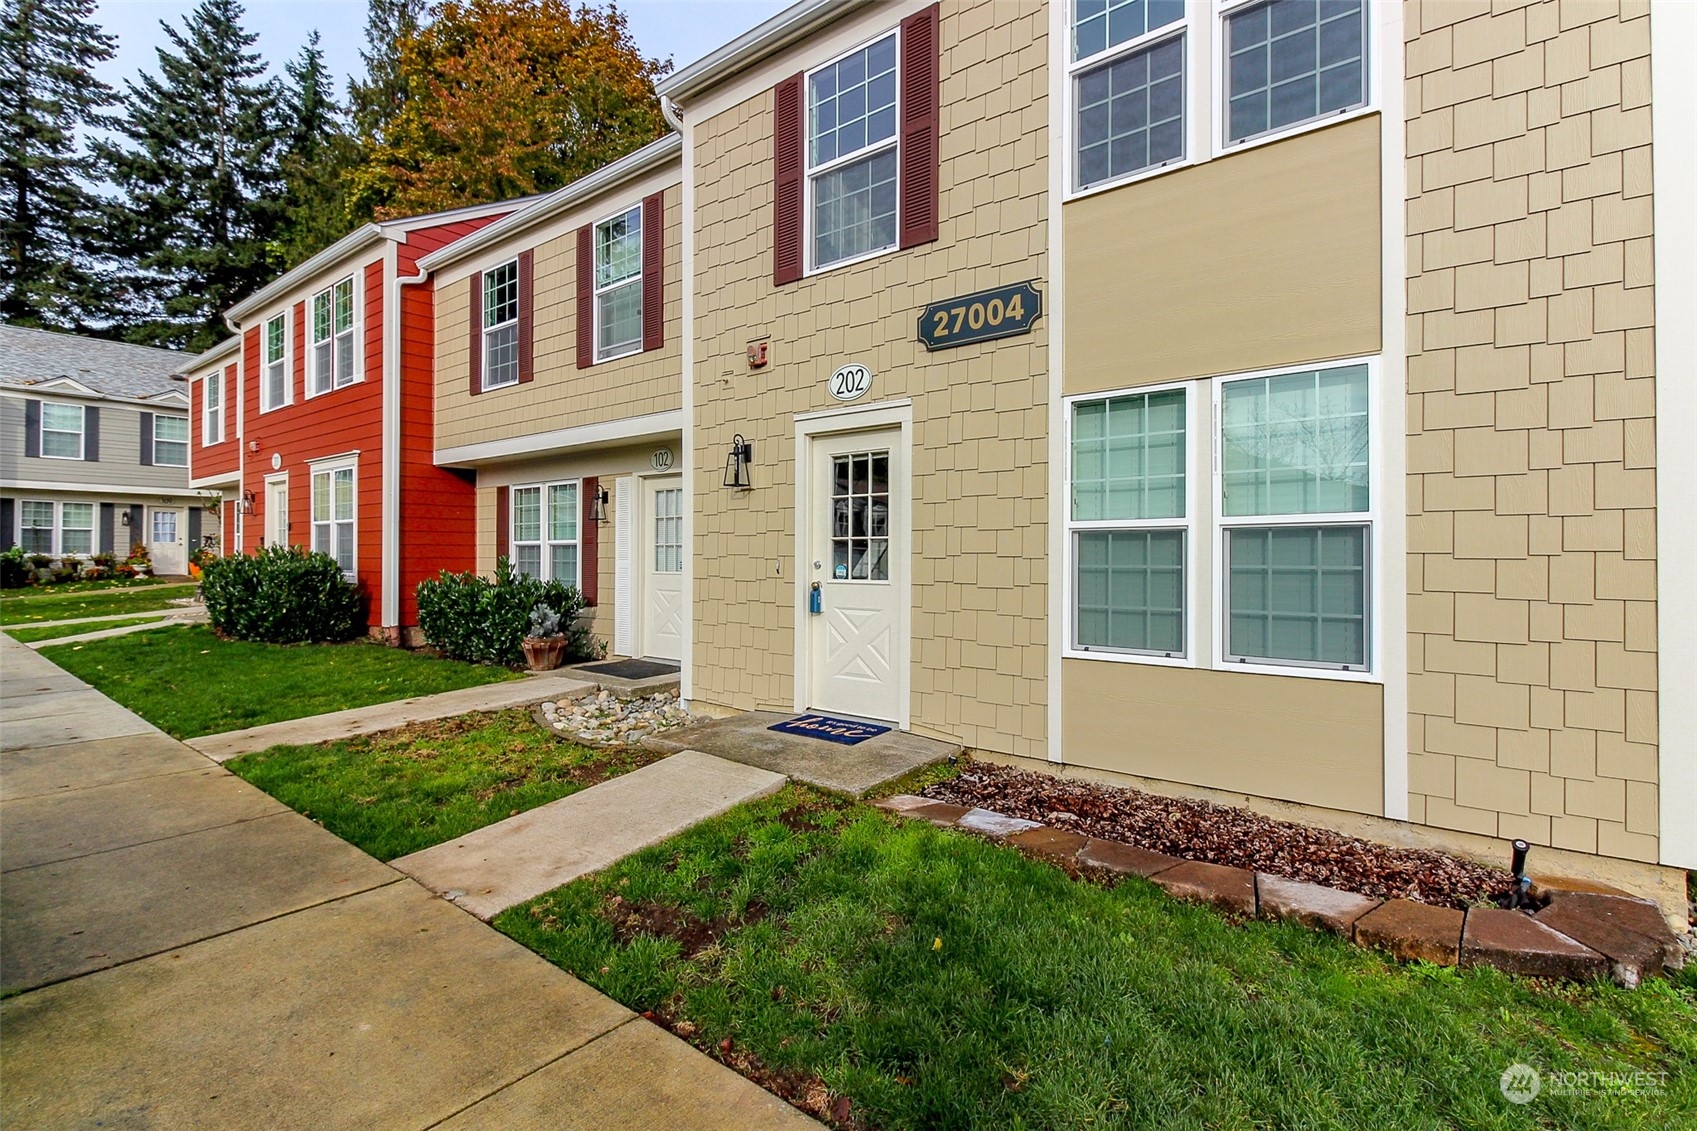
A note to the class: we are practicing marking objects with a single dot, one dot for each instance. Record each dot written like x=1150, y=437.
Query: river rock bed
x=609, y=719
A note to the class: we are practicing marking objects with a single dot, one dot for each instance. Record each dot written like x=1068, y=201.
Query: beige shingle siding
x=980, y=476
x=1531, y=449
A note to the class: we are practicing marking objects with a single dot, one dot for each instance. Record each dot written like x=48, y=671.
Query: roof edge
x=754, y=45
x=228, y=345
x=626, y=168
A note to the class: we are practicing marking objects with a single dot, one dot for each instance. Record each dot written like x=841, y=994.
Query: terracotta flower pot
x=543, y=654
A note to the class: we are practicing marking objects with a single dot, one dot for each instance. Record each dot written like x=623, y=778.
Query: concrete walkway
x=387, y=716
x=499, y=865
x=187, y=952
x=162, y=619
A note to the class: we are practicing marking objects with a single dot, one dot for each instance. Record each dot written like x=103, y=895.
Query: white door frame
x=269, y=527
x=895, y=416
x=642, y=551
x=181, y=540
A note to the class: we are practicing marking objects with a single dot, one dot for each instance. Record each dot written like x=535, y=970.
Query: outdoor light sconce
x=247, y=502
x=598, y=507
x=736, y=464
x=123, y=518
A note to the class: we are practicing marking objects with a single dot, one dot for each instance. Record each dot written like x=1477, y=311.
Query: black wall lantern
x=598, y=506
x=736, y=464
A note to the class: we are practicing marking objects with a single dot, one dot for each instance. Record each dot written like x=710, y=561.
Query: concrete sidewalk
x=190, y=953
x=387, y=716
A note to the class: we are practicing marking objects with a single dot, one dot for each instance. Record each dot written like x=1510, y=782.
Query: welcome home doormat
x=841, y=731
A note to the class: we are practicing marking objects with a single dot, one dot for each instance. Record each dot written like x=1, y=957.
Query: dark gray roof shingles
x=115, y=369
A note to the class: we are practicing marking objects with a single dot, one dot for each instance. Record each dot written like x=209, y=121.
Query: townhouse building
x=314, y=421
x=94, y=450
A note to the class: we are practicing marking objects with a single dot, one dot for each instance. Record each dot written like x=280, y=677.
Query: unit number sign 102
x=851, y=382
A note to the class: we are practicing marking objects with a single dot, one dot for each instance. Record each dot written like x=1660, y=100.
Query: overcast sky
x=683, y=30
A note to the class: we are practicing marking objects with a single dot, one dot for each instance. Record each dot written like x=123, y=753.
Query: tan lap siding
x=1532, y=609
x=1267, y=257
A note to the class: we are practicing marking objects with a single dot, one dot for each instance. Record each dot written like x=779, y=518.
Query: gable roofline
x=763, y=40
x=627, y=168
x=227, y=346
x=366, y=235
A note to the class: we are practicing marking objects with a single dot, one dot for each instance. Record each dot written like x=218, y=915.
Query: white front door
x=165, y=534
x=661, y=549
x=277, y=512
x=857, y=547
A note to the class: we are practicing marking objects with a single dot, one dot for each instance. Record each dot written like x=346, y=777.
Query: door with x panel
x=857, y=551
x=663, y=568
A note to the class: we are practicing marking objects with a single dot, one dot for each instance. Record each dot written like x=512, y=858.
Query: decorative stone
x=1228, y=889
x=1630, y=933
x=1126, y=859
x=1410, y=931
x=1312, y=905
x=993, y=824
x=1049, y=844
x=1515, y=942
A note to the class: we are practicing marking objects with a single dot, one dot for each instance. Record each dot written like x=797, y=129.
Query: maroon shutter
x=788, y=169
x=920, y=97
x=585, y=297
x=476, y=332
x=589, y=542
x=503, y=521
x=527, y=327
x=653, y=266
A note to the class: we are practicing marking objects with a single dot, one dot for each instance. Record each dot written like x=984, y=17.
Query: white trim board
x=1673, y=101
x=625, y=430
x=57, y=488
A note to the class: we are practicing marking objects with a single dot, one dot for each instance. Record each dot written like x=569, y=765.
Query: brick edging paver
x=1577, y=936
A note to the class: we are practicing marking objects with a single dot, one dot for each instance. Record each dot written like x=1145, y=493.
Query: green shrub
x=281, y=595
x=484, y=621
x=13, y=569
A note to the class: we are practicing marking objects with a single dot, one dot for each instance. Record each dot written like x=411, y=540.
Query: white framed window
x=170, y=440
x=618, y=285
x=36, y=526
x=212, y=409
x=1130, y=523
x=334, y=506
x=1288, y=63
x=61, y=431
x=275, y=390
x=76, y=528
x=544, y=534
x=164, y=524
x=852, y=155
x=1294, y=506
x=1128, y=76
x=334, y=337
x=1227, y=522
x=501, y=325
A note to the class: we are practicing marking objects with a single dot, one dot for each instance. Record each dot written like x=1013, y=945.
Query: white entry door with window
x=662, y=565
x=165, y=534
x=277, y=511
x=857, y=553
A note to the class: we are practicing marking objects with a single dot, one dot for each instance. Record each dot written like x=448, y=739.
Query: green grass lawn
x=52, y=631
x=32, y=592
x=939, y=981
x=188, y=682
x=407, y=789
x=36, y=610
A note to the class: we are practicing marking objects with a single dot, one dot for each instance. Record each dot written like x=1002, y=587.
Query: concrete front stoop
x=1579, y=935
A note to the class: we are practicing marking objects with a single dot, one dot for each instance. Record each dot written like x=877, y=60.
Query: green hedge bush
x=484, y=621
x=282, y=595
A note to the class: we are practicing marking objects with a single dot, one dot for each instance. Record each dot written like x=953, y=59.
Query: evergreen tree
x=197, y=164
x=319, y=154
x=48, y=94
x=375, y=101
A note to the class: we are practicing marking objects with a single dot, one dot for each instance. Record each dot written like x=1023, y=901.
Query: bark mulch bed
x=1220, y=834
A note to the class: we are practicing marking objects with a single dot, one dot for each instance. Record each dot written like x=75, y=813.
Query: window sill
x=68, y=459
x=311, y=395
x=1070, y=653
x=841, y=263
x=618, y=356
x=1132, y=178
x=1229, y=148
x=513, y=384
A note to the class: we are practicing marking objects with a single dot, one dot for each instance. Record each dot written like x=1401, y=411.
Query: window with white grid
x=544, y=534
x=852, y=154
x=501, y=325
x=334, y=353
x=276, y=387
x=333, y=514
x=618, y=285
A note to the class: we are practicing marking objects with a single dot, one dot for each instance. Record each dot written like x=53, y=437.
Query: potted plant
x=140, y=560
x=544, y=643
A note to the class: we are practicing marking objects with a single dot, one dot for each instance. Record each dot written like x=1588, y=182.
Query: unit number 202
x=977, y=315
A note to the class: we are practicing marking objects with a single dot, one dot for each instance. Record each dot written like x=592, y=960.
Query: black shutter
x=194, y=529
x=90, y=434
x=32, y=429
x=137, y=534
x=147, y=439
x=7, y=520
x=108, y=523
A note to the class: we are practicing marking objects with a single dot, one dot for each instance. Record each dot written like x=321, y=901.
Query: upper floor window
x=61, y=431
x=333, y=352
x=170, y=440
x=212, y=410
x=852, y=154
x=276, y=387
x=1129, y=86
x=618, y=285
x=501, y=325
x=1293, y=61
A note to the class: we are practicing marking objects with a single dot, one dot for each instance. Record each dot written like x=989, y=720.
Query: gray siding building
x=94, y=450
